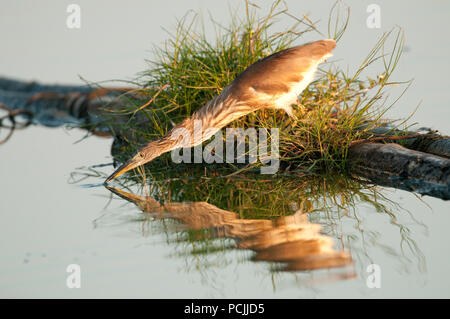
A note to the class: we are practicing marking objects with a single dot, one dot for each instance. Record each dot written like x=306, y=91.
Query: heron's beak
x=125, y=195
x=125, y=167
x=144, y=155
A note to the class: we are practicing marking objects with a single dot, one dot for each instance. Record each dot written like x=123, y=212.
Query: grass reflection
x=295, y=222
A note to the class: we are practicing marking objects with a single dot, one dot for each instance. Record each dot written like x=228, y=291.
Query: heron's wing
x=275, y=74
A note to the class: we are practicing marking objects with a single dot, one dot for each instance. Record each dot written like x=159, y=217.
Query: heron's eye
x=141, y=155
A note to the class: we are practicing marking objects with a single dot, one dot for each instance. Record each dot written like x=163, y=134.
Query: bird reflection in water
x=291, y=241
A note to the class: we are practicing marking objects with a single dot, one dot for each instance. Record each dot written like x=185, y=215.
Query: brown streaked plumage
x=273, y=82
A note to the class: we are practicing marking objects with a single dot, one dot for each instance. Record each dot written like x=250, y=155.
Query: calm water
x=49, y=222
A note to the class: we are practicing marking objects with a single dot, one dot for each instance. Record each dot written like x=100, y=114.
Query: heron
x=274, y=82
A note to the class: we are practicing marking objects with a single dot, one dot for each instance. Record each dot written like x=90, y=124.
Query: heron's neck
x=206, y=121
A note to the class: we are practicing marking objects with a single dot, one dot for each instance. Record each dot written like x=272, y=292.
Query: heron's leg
x=290, y=111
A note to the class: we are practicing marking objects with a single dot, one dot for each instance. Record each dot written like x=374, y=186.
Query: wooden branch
x=384, y=164
x=430, y=142
x=56, y=105
x=396, y=166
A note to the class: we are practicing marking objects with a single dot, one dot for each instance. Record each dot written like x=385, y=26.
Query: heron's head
x=144, y=155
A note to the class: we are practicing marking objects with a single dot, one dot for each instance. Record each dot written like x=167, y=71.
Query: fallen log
x=426, y=141
x=396, y=166
x=57, y=105
x=384, y=164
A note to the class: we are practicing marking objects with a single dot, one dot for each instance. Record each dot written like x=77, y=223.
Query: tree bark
x=431, y=142
x=396, y=166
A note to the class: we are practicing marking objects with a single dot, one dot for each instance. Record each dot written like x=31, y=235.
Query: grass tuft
x=336, y=110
